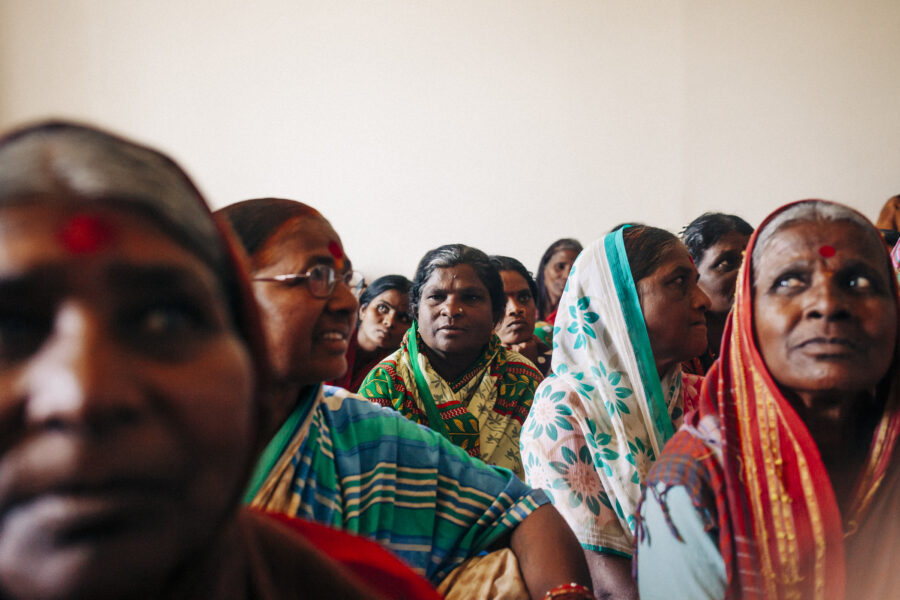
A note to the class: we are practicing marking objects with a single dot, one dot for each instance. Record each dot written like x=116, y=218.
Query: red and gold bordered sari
x=780, y=532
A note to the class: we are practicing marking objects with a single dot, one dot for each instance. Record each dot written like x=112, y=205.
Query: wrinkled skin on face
x=383, y=321
x=826, y=322
x=307, y=336
x=455, y=318
x=113, y=357
x=674, y=309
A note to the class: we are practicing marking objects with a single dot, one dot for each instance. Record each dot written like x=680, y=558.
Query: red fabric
x=551, y=318
x=371, y=563
x=353, y=378
x=785, y=534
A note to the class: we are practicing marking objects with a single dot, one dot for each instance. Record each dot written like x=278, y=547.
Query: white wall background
x=503, y=124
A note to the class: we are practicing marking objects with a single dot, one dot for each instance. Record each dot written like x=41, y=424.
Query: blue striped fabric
x=370, y=471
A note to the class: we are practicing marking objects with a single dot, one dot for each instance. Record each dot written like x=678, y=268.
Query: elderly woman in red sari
x=785, y=482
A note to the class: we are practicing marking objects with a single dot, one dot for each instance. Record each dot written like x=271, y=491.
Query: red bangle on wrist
x=569, y=591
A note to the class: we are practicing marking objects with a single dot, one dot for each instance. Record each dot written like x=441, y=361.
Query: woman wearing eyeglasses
x=343, y=461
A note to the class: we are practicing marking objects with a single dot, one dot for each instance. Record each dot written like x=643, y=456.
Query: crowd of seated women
x=208, y=405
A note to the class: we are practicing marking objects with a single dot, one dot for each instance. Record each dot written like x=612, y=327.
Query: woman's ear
x=360, y=311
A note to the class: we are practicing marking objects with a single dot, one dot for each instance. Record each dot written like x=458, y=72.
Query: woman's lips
x=824, y=347
x=452, y=330
x=333, y=339
x=66, y=517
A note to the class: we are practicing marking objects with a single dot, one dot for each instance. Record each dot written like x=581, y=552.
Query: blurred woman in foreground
x=130, y=364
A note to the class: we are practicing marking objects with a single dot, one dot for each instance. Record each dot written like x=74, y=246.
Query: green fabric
x=637, y=332
x=353, y=465
x=482, y=410
x=275, y=448
x=435, y=421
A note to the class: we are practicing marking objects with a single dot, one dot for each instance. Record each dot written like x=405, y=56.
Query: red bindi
x=83, y=234
x=827, y=251
x=337, y=252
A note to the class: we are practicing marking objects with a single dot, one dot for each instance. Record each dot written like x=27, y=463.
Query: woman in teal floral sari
x=630, y=313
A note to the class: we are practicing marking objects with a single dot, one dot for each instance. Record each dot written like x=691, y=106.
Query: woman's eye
x=404, y=318
x=789, y=281
x=860, y=282
x=382, y=309
x=21, y=335
x=524, y=297
x=473, y=297
x=724, y=266
x=163, y=320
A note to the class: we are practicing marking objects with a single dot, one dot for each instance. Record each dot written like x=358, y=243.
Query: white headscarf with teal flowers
x=599, y=421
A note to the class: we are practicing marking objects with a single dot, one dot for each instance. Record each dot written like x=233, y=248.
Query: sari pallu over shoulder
x=481, y=411
x=351, y=464
x=603, y=416
x=780, y=532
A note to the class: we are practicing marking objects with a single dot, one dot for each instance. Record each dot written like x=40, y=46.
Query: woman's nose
x=513, y=307
x=451, y=307
x=80, y=378
x=825, y=300
x=342, y=298
x=701, y=299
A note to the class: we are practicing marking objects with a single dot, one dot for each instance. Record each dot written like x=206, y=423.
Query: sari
x=604, y=414
x=351, y=464
x=757, y=488
x=481, y=411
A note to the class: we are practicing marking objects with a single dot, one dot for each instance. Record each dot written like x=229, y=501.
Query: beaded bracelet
x=573, y=591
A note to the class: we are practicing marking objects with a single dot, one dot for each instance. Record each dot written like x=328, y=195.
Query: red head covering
x=786, y=537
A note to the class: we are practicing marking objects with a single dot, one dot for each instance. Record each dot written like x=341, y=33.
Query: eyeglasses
x=320, y=280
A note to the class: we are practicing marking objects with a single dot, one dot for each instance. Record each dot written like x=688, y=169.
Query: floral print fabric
x=593, y=431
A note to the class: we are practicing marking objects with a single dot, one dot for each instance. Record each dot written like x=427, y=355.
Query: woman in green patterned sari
x=451, y=373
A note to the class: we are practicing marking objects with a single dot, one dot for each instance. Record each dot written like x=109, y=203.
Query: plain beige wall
x=501, y=124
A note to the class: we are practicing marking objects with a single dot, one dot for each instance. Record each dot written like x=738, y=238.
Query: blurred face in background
x=556, y=271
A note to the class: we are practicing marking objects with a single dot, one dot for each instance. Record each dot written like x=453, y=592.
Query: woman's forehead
x=461, y=275
x=45, y=232
x=812, y=240
x=513, y=280
x=821, y=238
x=302, y=235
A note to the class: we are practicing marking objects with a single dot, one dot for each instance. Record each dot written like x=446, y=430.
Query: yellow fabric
x=494, y=576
